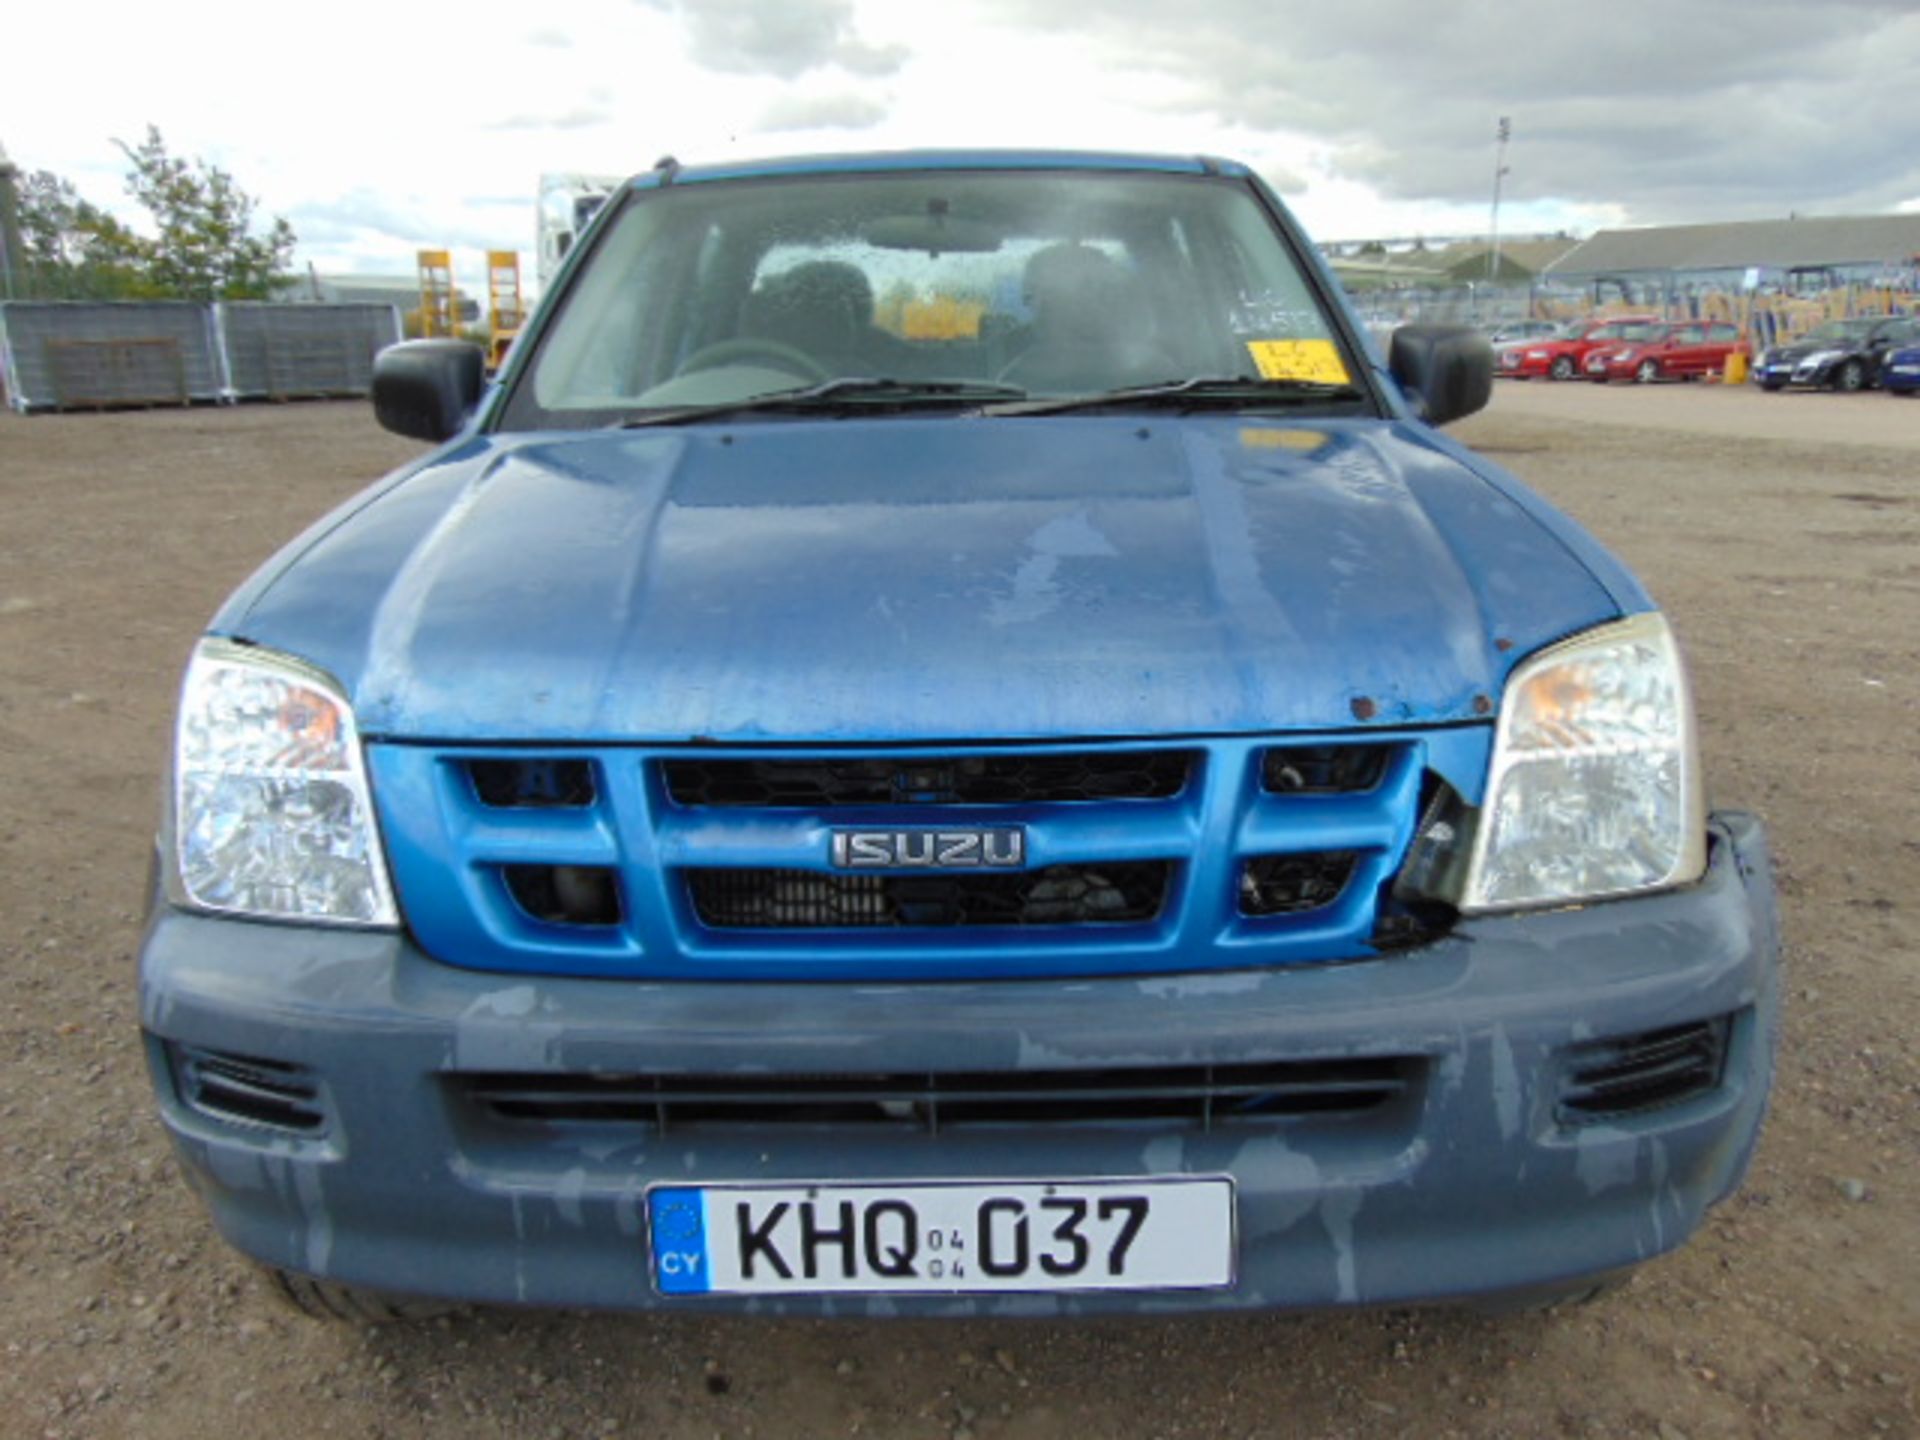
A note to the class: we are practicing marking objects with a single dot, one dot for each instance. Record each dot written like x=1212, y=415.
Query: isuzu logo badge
x=1001, y=848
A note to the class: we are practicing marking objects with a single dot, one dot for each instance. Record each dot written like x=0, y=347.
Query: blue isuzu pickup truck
x=949, y=738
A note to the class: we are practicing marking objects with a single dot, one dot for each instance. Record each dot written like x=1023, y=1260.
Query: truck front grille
x=1201, y=1096
x=1111, y=894
x=719, y=862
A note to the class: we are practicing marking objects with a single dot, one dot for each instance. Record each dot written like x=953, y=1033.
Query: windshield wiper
x=1202, y=392
x=845, y=394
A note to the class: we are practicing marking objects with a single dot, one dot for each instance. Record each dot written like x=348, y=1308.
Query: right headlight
x=272, y=815
x=1594, y=790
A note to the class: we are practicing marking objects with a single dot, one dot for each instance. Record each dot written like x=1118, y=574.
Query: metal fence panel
x=95, y=374
x=281, y=351
x=105, y=350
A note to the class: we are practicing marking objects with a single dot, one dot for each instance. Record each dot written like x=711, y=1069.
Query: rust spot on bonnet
x=1503, y=644
x=1482, y=705
x=1364, y=708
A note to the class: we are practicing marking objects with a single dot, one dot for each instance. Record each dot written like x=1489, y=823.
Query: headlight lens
x=271, y=811
x=1595, y=784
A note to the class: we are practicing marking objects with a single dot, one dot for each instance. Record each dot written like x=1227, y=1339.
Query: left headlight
x=1594, y=790
x=271, y=812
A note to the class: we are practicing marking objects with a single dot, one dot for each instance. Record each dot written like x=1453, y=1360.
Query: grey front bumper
x=1473, y=1187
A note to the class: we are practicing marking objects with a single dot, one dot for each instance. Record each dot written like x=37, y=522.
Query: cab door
x=1686, y=351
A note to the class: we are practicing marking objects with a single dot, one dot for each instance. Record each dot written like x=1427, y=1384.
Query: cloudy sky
x=377, y=128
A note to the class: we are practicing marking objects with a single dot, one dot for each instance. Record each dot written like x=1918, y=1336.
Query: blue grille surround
x=451, y=850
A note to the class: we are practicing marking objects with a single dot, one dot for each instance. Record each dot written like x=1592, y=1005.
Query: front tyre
x=1561, y=368
x=1648, y=372
x=346, y=1304
x=1850, y=376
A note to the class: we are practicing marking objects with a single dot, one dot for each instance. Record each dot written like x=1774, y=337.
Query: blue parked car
x=949, y=738
x=1901, y=373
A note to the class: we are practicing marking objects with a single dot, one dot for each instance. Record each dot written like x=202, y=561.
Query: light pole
x=1501, y=134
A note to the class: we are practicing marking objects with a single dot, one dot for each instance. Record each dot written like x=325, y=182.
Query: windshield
x=1840, y=330
x=1021, y=283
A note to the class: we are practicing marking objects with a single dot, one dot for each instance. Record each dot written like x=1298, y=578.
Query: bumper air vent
x=1130, y=892
x=1636, y=1073
x=1201, y=1097
x=1323, y=769
x=565, y=894
x=543, y=783
x=242, y=1090
x=1041, y=779
x=1295, y=884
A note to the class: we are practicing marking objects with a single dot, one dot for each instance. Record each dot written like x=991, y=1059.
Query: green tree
x=205, y=246
x=72, y=249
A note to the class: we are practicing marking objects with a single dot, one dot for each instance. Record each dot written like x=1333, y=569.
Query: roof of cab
x=899, y=160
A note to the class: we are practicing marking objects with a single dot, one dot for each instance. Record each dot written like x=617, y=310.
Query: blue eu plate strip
x=678, y=1225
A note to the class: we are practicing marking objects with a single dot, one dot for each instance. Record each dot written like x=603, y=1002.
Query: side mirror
x=1445, y=370
x=425, y=389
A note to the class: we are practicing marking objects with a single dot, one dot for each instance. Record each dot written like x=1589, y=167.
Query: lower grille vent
x=1635, y=1073
x=539, y=784
x=1129, y=892
x=1204, y=1097
x=241, y=1089
x=1294, y=884
x=1323, y=769
x=935, y=780
x=566, y=894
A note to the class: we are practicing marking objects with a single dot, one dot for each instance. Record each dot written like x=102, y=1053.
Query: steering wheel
x=748, y=347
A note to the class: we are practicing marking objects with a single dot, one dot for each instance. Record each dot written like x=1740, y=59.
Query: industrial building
x=1800, y=255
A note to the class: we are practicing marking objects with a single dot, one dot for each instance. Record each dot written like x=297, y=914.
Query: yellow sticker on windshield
x=1298, y=360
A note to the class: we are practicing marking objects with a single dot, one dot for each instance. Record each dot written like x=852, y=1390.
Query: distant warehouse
x=1667, y=263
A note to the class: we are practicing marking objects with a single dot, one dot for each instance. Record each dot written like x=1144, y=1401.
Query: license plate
x=947, y=1238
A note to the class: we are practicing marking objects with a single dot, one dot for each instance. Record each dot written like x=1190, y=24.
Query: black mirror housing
x=426, y=389
x=1445, y=370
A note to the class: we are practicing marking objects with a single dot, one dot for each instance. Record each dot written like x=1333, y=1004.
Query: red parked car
x=1672, y=352
x=1561, y=358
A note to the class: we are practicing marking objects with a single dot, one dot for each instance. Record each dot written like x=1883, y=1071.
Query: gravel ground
x=1792, y=569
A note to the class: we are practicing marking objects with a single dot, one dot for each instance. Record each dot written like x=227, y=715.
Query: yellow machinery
x=437, y=315
x=505, y=310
